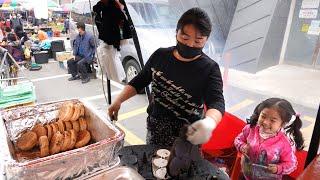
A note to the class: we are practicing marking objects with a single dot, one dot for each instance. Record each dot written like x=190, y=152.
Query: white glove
x=200, y=131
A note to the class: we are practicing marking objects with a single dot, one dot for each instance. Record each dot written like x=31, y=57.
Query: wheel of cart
x=18, y=94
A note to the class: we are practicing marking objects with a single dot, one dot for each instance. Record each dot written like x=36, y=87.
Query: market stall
x=70, y=139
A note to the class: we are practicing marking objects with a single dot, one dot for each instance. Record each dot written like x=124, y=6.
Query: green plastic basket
x=19, y=94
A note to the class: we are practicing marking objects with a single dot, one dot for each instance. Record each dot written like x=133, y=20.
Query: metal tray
x=118, y=173
x=76, y=163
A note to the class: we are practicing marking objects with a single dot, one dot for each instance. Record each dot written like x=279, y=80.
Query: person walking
x=15, y=22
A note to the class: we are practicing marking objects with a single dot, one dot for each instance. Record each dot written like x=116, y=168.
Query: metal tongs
x=113, y=120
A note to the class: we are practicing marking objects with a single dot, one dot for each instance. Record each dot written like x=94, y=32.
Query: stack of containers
x=57, y=46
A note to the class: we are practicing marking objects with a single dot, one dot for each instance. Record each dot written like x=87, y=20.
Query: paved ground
x=51, y=85
x=295, y=83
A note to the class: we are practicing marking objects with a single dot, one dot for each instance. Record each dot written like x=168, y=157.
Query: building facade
x=265, y=33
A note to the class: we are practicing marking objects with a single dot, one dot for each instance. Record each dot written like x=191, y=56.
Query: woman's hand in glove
x=200, y=131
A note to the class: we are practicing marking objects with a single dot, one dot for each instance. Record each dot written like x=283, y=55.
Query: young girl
x=268, y=143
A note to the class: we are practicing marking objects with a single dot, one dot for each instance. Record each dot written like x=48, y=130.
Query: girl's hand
x=245, y=149
x=273, y=168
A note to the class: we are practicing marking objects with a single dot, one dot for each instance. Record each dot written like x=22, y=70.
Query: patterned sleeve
x=288, y=160
x=241, y=139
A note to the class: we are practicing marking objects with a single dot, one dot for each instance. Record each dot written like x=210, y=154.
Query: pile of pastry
x=68, y=132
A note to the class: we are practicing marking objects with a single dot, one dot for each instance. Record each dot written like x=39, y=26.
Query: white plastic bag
x=110, y=62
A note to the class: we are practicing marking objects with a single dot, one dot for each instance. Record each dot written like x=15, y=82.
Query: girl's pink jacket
x=275, y=150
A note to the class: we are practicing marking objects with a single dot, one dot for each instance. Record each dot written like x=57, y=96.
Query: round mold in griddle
x=161, y=173
x=129, y=159
x=160, y=162
x=163, y=153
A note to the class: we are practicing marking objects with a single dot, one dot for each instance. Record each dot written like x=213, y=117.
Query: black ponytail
x=294, y=132
x=253, y=120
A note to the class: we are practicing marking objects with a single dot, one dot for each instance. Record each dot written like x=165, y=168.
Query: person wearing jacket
x=112, y=22
x=66, y=25
x=183, y=80
x=268, y=143
x=83, y=50
x=15, y=22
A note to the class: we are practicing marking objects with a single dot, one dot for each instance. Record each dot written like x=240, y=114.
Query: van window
x=155, y=14
x=138, y=21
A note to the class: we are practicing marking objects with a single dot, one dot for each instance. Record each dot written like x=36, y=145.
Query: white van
x=154, y=22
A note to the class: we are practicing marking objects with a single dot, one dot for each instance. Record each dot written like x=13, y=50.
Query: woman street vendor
x=184, y=80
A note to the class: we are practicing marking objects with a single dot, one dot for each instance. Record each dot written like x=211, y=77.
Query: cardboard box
x=64, y=56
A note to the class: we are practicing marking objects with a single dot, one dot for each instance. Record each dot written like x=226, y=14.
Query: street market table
x=46, y=29
x=28, y=29
x=139, y=157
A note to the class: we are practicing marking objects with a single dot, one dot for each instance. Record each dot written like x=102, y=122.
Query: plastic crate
x=57, y=46
x=41, y=57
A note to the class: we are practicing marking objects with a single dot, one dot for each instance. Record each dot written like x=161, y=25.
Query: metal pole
x=136, y=44
x=315, y=140
x=109, y=90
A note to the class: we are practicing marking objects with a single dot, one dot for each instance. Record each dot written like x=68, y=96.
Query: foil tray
x=119, y=173
x=79, y=163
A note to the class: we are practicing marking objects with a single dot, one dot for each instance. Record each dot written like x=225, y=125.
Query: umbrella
x=52, y=4
x=7, y=8
x=10, y=3
x=66, y=7
x=56, y=9
x=27, y=5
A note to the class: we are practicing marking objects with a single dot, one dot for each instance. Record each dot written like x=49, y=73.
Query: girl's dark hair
x=285, y=111
x=198, y=18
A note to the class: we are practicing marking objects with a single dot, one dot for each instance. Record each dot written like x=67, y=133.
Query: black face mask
x=187, y=51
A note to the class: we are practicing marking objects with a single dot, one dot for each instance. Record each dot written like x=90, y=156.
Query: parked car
x=153, y=21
